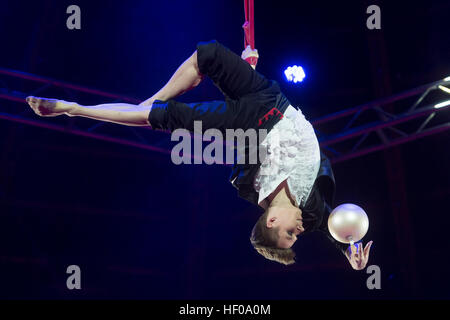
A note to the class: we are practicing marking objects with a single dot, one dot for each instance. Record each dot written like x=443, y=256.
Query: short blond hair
x=265, y=240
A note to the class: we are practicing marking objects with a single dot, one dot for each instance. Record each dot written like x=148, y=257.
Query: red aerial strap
x=249, y=24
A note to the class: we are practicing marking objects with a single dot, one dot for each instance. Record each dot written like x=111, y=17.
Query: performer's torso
x=292, y=156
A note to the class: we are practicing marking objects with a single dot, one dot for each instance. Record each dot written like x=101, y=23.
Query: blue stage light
x=294, y=74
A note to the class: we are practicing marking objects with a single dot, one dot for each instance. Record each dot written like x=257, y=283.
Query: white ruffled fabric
x=292, y=153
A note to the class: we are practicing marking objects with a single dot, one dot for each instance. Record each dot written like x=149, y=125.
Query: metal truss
x=367, y=128
x=344, y=135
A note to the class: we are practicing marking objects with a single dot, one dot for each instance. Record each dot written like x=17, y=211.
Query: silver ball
x=348, y=223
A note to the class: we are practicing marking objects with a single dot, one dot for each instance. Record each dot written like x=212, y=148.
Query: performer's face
x=289, y=223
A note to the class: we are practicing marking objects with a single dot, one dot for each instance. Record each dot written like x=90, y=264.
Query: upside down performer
x=297, y=195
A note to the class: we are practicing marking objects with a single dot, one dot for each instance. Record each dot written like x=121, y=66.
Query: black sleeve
x=229, y=72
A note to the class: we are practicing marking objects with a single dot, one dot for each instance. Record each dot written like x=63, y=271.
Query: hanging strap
x=249, y=24
x=249, y=29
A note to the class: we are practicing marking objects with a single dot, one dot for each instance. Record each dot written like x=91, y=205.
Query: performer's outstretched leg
x=185, y=78
x=232, y=75
x=121, y=113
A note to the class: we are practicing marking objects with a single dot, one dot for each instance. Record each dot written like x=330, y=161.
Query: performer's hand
x=49, y=107
x=358, y=257
x=251, y=56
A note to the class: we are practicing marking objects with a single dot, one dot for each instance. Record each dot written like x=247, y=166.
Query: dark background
x=141, y=227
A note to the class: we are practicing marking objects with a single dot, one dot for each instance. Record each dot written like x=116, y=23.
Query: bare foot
x=49, y=107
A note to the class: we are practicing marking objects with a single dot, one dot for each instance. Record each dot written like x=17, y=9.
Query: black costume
x=251, y=101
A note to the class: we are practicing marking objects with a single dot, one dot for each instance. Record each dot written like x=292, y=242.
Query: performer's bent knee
x=148, y=116
x=194, y=59
x=157, y=115
x=206, y=54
